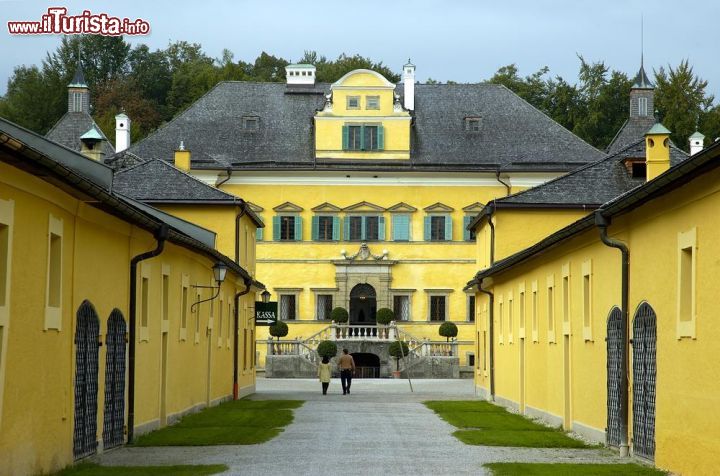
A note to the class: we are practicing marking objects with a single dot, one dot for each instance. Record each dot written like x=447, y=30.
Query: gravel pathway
x=381, y=428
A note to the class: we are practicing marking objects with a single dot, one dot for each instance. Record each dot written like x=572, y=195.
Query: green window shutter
x=298, y=228
x=315, y=228
x=362, y=228
x=401, y=227
x=345, y=137
x=427, y=228
x=466, y=233
x=362, y=147
x=336, y=229
x=259, y=234
x=276, y=228
x=346, y=230
x=381, y=228
x=381, y=138
x=448, y=228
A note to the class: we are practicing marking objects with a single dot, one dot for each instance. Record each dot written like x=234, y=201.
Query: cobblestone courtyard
x=381, y=428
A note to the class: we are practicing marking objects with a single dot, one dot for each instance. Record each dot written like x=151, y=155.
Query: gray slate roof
x=156, y=181
x=71, y=126
x=591, y=185
x=514, y=135
x=633, y=129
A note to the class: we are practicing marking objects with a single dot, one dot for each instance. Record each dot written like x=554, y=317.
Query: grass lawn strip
x=561, y=469
x=90, y=469
x=482, y=423
x=241, y=422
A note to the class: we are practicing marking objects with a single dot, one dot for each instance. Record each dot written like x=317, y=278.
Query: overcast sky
x=462, y=40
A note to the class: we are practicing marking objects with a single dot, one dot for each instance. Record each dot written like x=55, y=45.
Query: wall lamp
x=219, y=272
x=265, y=296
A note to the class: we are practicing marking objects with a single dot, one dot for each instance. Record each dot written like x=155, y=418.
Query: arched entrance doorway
x=114, y=415
x=86, y=380
x=366, y=365
x=644, y=373
x=363, y=304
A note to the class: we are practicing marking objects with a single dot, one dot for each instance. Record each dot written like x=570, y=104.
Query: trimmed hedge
x=339, y=315
x=279, y=329
x=327, y=349
x=448, y=330
x=385, y=316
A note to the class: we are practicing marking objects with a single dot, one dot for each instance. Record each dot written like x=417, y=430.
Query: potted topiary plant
x=327, y=349
x=448, y=330
x=398, y=352
x=279, y=329
x=384, y=317
x=339, y=315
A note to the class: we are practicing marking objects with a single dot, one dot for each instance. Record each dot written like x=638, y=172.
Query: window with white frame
x=687, y=257
x=551, y=308
x=587, y=300
x=221, y=314
x=6, y=236
x=501, y=321
x=521, y=311
x=534, y=310
x=54, y=282
x=353, y=102
x=372, y=102
x=184, y=306
x=642, y=107
x=510, y=318
x=566, y=299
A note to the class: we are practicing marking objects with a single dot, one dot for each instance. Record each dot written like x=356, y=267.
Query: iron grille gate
x=114, y=415
x=644, y=372
x=86, y=380
x=614, y=375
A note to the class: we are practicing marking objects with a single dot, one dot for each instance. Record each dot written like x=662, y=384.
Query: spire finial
x=642, y=40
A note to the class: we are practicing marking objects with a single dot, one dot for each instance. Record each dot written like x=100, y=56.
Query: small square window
x=250, y=123
x=473, y=124
x=372, y=102
x=353, y=102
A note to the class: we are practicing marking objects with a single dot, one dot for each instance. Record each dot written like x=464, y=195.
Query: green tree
x=124, y=95
x=30, y=101
x=602, y=103
x=682, y=102
x=331, y=71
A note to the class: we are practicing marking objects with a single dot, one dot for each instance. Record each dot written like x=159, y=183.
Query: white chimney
x=697, y=143
x=122, y=132
x=408, y=78
x=303, y=74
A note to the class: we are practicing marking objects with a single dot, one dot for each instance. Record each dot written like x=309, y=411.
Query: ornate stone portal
x=363, y=268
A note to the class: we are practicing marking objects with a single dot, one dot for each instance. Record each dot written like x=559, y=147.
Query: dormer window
x=473, y=124
x=636, y=167
x=353, y=102
x=642, y=107
x=368, y=137
x=250, y=123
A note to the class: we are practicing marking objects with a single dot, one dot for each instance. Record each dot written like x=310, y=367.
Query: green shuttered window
x=364, y=228
x=438, y=228
x=401, y=227
x=468, y=235
x=287, y=228
x=325, y=228
x=259, y=232
x=366, y=137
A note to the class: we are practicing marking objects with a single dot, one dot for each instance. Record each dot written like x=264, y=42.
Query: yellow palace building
x=366, y=188
x=606, y=326
x=101, y=334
